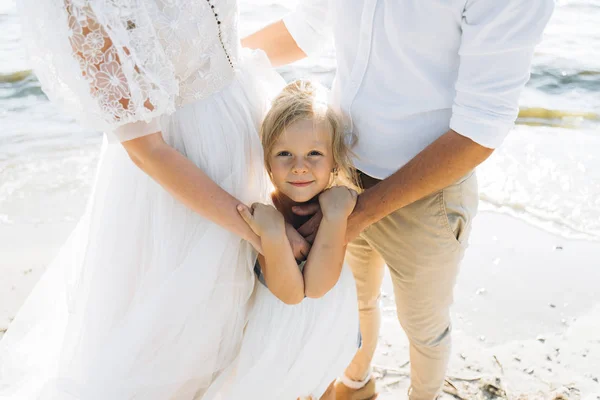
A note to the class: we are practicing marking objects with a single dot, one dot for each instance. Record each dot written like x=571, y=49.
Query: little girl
x=303, y=330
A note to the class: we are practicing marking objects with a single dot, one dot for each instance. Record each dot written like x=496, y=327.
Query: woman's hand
x=264, y=220
x=337, y=202
x=260, y=220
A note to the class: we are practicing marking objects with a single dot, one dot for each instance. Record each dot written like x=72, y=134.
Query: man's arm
x=277, y=42
x=497, y=45
x=439, y=165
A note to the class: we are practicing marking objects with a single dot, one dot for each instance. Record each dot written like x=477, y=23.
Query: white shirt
x=408, y=70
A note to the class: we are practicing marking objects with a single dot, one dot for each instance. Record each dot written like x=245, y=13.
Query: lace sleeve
x=101, y=61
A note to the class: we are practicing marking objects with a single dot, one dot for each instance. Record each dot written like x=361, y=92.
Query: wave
x=15, y=77
x=543, y=219
x=544, y=113
x=19, y=84
x=536, y=116
x=555, y=80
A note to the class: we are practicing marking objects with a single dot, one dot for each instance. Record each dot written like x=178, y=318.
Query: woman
x=148, y=298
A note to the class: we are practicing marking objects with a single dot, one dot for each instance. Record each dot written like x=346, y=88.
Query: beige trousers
x=422, y=244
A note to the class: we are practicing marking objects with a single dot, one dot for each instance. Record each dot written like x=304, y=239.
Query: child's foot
x=367, y=392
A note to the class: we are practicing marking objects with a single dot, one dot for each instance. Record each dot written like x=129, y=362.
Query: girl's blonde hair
x=306, y=100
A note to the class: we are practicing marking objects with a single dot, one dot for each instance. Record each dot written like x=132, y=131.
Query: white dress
x=146, y=300
x=293, y=351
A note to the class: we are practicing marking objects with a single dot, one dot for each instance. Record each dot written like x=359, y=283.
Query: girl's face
x=302, y=160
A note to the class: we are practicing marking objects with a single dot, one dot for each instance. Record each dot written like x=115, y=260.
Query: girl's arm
x=326, y=257
x=277, y=262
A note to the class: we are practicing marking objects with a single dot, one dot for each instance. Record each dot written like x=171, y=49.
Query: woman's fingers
x=246, y=215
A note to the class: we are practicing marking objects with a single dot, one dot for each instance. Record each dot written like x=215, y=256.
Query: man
x=430, y=88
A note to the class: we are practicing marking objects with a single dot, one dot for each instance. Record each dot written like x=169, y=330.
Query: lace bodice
x=115, y=62
x=201, y=41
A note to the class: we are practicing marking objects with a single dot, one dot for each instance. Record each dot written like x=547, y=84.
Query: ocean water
x=547, y=171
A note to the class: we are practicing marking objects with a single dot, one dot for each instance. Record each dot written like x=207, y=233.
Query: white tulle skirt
x=293, y=351
x=147, y=300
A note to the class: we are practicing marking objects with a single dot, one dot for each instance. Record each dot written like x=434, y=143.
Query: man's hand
x=357, y=221
x=300, y=246
x=310, y=227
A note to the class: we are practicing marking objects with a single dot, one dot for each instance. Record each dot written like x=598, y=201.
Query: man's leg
x=368, y=268
x=423, y=245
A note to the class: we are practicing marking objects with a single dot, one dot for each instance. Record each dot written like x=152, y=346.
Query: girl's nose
x=299, y=167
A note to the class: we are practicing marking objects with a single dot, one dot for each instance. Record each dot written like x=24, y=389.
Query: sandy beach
x=526, y=319
x=526, y=314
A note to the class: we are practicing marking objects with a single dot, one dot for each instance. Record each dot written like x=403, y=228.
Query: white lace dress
x=147, y=300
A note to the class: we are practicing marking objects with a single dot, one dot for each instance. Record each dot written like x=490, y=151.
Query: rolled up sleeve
x=310, y=26
x=497, y=45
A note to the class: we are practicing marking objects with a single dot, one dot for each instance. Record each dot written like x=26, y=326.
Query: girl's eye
x=315, y=153
x=284, y=154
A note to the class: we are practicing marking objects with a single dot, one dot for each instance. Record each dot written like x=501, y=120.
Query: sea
x=547, y=172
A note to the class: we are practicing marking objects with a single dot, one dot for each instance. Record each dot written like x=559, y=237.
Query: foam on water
x=535, y=175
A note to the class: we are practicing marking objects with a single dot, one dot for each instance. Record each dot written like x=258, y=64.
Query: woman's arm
x=178, y=175
x=326, y=257
x=188, y=184
x=277, y=262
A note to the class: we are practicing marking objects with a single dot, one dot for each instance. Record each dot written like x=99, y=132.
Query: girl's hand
x=264, y=220
x=337, y=202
